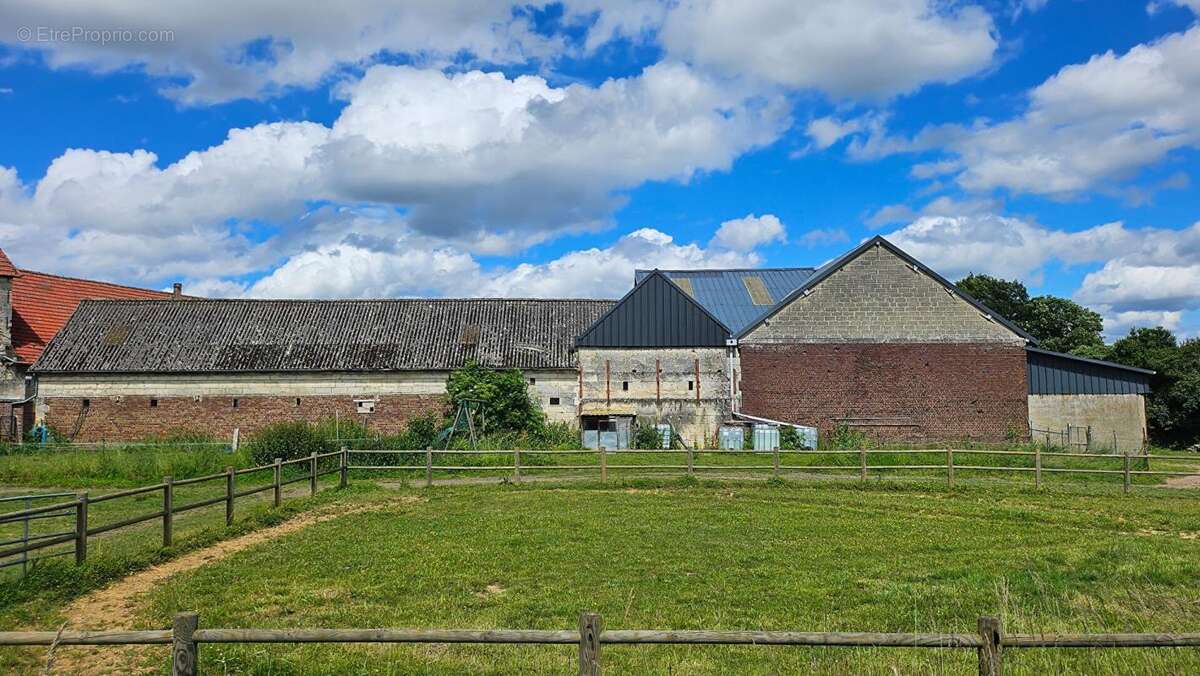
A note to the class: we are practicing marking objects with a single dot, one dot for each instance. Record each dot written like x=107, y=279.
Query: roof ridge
x=198, y=300
x=93, y=281
x=649, y=270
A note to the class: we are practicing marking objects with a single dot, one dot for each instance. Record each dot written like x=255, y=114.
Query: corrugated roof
x=335, y=335
x=1058, y=373
x=42, y=304
x=726, y=295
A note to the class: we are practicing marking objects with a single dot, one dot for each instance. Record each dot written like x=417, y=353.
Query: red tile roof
x=42, y=303
x=7, y=269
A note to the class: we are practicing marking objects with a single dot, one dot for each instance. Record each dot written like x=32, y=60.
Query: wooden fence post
x=603, y=464
x=184, y=653
x=1127, y=479
x=991, y=653
x=81, y=521
x=590, y=627
x=517, y=465
x=862, y=465
x=428, y=466
x=691, y=462
x=278, y=475
x=312, y=473
x=1037, y=467
x=345, y=460
x=229, y=486
x=775, y=461
x=949, y=466
x=168, y=509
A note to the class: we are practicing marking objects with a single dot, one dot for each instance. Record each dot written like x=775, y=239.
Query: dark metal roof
x=1058, y=373
x=335, y=335
x=726, y=294
x=656, y=313
x=832, y=266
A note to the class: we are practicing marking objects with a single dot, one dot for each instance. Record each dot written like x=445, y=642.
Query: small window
x=153, y=403
x=554, y=401
x=533, y=381
x=691, y=385
x=297, y=401
x=87, y=403
x=235, y=402
x=625, y=385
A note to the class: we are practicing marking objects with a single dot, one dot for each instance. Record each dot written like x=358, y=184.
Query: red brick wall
x=926, y=391
x=131, y=418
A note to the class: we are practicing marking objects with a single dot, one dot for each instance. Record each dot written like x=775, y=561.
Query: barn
x=873, y=341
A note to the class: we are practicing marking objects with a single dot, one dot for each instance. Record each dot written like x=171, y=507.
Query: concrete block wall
x=687, y=386
x=879, y=298
x=118, y=407
x=1119, y=418
x=913, y=391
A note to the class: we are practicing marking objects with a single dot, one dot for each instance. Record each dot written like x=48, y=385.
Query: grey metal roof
x=656, y=313
x=832, y=266
x=725, y=293
x=1058, y=373
x=174, y=336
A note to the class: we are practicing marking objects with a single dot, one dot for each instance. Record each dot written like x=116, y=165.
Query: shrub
x=789, y=438
x=647, y=437
x=844, y=438
x=288, y=440
x=505, y=397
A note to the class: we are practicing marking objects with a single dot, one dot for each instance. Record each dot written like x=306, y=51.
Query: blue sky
x=470, y=148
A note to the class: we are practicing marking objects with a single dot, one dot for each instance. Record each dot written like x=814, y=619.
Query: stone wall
x=910, y=391
x=1119, y=418
x=128, y=407
x=688, y=387
x=879, y=298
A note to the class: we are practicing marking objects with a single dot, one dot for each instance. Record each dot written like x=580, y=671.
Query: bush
x=288, y=440
x=844, y=438
x=505, y=396
x=646, y=437
x=789, y=438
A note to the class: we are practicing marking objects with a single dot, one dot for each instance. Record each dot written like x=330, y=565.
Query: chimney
x=177, y=289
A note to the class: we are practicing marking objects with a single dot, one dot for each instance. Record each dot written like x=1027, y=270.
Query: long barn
x=874, y=341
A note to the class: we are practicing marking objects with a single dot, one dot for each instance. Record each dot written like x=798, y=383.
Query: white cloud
x=487, y=163
x=824, y=236
x=855, y=49
x=749, y=232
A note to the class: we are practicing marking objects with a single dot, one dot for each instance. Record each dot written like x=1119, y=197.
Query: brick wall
x=912, y=391
x=132, y=417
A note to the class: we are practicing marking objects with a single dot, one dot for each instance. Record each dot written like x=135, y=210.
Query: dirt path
x=117, y=606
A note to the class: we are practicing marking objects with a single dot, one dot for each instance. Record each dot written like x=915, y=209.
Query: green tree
x=505, y=397
x=1008, y=298
x=1062, y=325
x=1173, y=407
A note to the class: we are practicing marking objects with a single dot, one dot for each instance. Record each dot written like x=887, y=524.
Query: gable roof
x=656, y=313
x=7, y=269
x=42, y=303
x=833, y=266
x=729, y=295
x=313, y=335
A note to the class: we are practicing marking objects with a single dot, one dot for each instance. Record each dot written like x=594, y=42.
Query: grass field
x=812, y=556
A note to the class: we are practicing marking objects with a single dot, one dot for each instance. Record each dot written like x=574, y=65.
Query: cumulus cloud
x=1094, y=124
x=487, y=163
x=749, y=232
x=862, y=49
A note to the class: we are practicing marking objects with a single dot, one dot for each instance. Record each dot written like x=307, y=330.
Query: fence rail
x=989, y=640
x=83, y=529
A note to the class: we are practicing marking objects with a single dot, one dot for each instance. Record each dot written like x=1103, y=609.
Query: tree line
x=1062, y=325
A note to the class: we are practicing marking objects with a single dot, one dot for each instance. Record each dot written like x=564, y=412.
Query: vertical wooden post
x=168, y=509
x=949, y=466
x=344, y=480
x=517, y=465
x=775, y=461
x=862, y=465
x=590, y=627
x=428, y=466
x=229, y=482
x=991, y=653
x=1127, y=480
x=278, y=475
x=1037, y=467
x=691, y=462
x=312, y=473
x=81, y=525
x=603, y=464
x=184, y=652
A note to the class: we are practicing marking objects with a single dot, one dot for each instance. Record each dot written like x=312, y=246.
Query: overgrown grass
x=113, y=466
x=780, y=556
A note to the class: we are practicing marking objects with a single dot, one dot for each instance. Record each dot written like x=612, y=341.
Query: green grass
x=113, y=466
x=798, y=556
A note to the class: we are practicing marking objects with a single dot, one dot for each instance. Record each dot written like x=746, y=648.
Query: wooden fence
x=949, y=466
x=989, y=640
x=84, y=528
